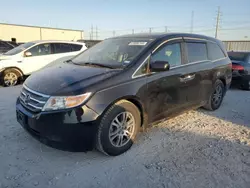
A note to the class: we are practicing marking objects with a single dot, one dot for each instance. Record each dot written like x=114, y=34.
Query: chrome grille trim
x=35, y=92
x=35, y=101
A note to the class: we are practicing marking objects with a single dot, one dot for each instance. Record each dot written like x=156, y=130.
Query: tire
x=211, y=104
x=107, y=140
x=11, y=77
x=245, y=85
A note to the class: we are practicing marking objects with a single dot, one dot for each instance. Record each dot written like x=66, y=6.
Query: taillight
x=237, y=67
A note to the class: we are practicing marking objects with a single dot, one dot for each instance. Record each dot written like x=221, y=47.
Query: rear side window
x=239, y=56
x=214, y=51
x=76, y=47
x=62, y=48
x=196, y=52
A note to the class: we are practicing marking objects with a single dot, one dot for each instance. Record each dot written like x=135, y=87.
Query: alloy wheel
x=10, y=79
x=217, y=95
x=122, y=129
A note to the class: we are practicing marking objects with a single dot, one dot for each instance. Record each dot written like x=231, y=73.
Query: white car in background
x=32, y=56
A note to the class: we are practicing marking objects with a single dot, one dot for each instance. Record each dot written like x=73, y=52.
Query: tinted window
x=214, y=51
x=170, y=53
x=19, y=49
x=3, y=44
x=238, y=56
x=76, y=47
x=41, y=49
x=62, y=48
x=196, y=52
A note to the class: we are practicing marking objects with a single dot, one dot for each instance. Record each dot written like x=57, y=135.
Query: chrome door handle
x=187, y=78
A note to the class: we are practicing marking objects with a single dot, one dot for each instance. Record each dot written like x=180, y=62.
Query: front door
x=41, y=55
x=167, y=92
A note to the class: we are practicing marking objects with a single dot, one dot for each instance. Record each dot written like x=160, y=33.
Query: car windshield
x=113, y=53
x=237, y=56
x=19, y=49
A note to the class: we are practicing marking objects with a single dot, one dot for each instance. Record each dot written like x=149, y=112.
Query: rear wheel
x=216, y=97
x=118, y=128
x=246, y=85
x=11, y=77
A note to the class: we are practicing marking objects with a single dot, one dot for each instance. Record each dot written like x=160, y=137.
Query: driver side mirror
x=27, y=54
x=159, y=66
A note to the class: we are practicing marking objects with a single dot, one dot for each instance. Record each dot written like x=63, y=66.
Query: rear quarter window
x=196, y=52
x=214, y=51
x=76, y=47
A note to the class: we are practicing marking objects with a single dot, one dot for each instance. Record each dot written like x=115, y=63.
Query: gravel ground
x=196, y=149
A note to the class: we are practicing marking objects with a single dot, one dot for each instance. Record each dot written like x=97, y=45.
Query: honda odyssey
x=104, y=96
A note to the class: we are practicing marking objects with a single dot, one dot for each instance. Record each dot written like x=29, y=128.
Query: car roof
x=166, y=35
x=57, y=41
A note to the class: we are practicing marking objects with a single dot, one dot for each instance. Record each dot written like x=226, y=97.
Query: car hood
x=67, y=79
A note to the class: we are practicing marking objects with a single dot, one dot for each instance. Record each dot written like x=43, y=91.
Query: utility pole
x=133, y=31
x=96, y=33
x=192, y=22
x=113, y=33
x=217, y=22
x=166, y=29
x=150, y=30
x=92, y=32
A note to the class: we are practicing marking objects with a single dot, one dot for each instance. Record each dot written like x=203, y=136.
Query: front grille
x=32, y=100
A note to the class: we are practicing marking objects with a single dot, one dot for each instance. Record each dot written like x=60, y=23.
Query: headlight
x=60, y=102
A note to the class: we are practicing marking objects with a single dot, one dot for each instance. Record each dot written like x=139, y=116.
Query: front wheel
x=216, y=97
x=118, y=128
x=10, y=77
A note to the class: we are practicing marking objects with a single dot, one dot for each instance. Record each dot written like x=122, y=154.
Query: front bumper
x=72, y=130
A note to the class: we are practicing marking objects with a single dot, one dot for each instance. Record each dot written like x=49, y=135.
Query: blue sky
x=124, y=15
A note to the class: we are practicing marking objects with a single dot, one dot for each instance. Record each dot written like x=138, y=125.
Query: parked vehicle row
x=6, y=46
x=241, y=68
x=103, y=96
x=27, y=58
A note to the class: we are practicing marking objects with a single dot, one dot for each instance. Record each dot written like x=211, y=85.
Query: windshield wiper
x=97, y=64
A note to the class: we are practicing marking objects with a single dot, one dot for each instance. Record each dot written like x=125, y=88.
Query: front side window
x=170, y=53
x=19, y=48
x=40, y=49
x=196, y=52
x=114, y=52
x=214, y=51
x=62, y=48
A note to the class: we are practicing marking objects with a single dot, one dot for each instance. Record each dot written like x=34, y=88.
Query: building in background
x=25, y=33
x=237, y=45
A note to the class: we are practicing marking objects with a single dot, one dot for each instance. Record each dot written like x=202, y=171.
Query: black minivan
x=104, y=96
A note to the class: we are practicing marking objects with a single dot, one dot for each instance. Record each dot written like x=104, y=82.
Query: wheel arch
x=16, y=68
x=136, y=101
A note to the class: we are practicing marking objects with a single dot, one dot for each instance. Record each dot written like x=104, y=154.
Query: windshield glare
x=19, y=49
x=115, y=53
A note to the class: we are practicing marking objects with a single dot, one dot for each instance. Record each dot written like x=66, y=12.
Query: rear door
x=66, y=49
x=167, y=93
x=198, y=72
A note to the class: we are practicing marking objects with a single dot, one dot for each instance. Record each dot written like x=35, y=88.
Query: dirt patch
x=196, y=149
